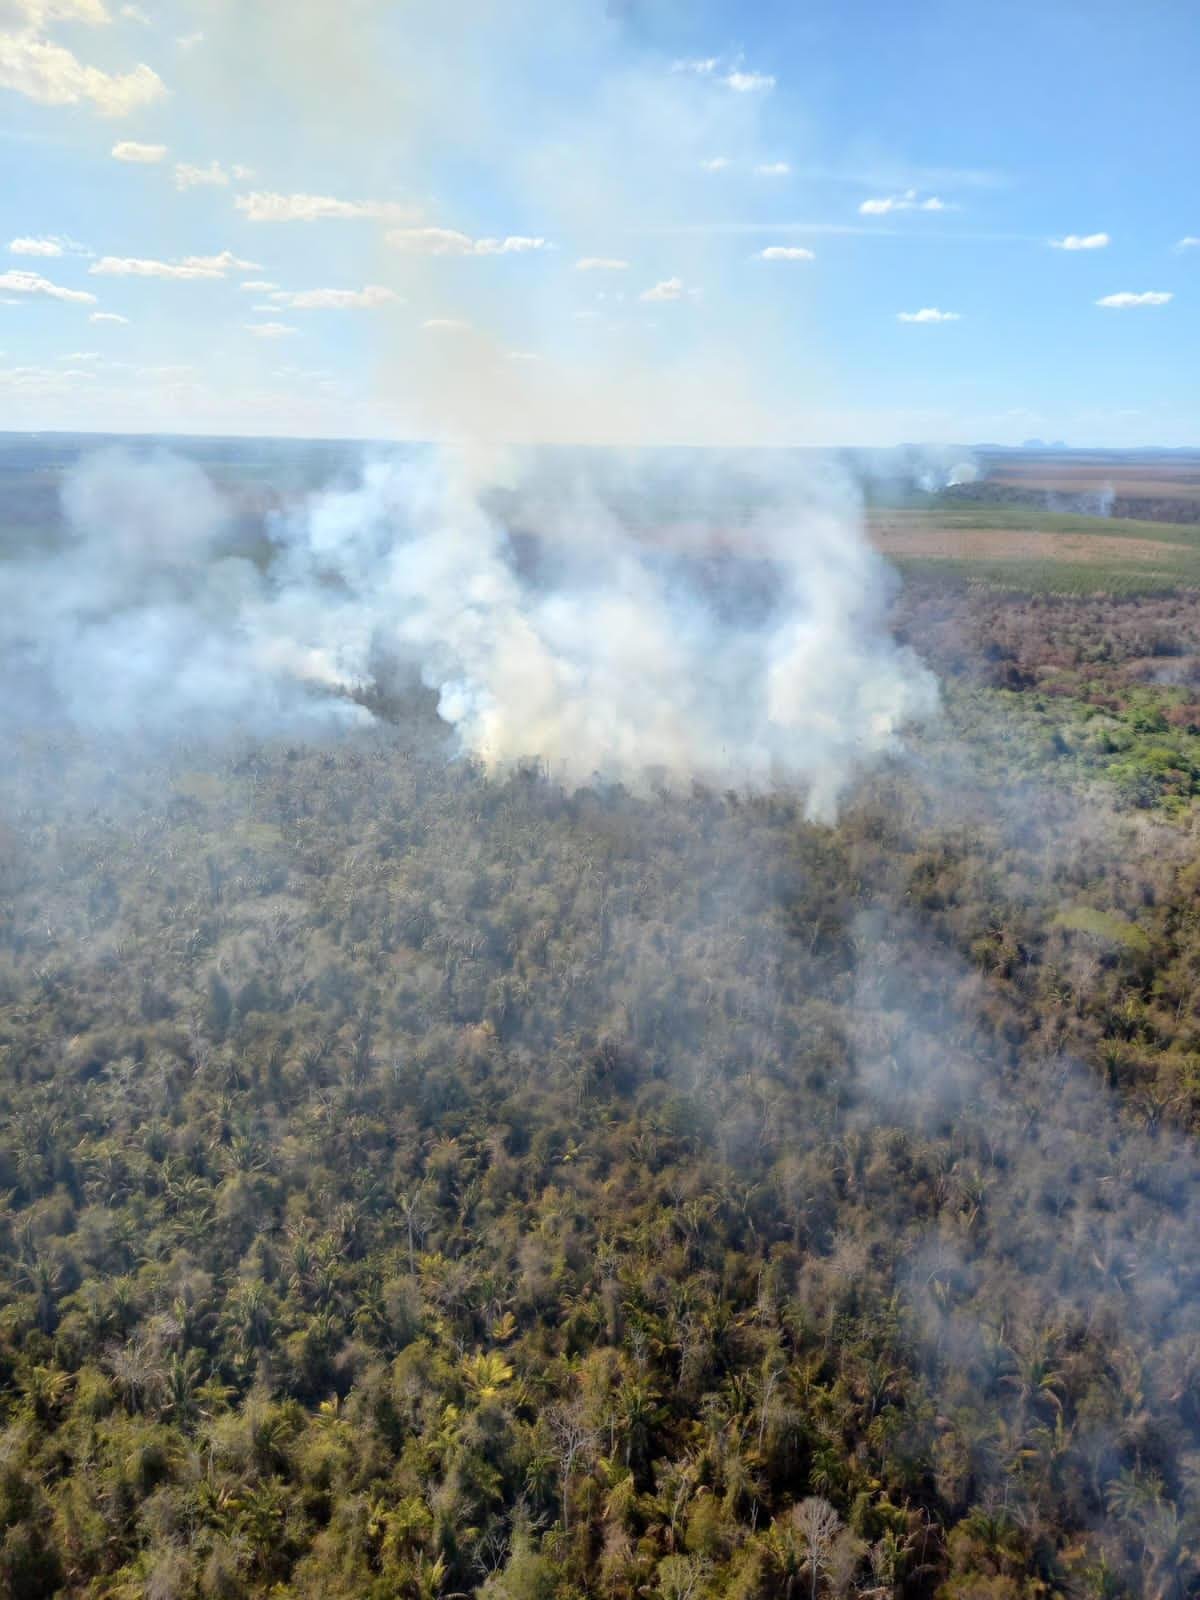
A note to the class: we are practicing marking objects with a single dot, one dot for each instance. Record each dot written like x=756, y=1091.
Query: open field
x=1170, y=475
x=1155, y=485
x=1024, y=549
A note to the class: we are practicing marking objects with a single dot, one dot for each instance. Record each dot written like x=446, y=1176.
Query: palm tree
x=415, y=1217
x=249, y=1318
x=1170, y=1553
x=44, y=1390
x=44, y=1279
x=136, y=1371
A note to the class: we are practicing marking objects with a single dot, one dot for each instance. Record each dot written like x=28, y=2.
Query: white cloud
x=131, y=150
x=736, y=79
x=242, y=174
x=335, y=299
x=910, y=200
x=601, y=264
x=1190, y=241
x=446, y=324
x=786, y=252
x=189, y=41
x=189, y=267
x=668, y=289
x=522, y=355
x=270, y=330
x=36, y=247
x=189, y=177
x=51, y=75
x=1081, y=241
x=773, y=169
x=33, y=283
x=46, y=379
x=260, y=206
x=1122, y=301
x=258, y=286
x=929, y=314
x=716, y=164
x=107, y=316
x=749, y=82
x=449, y=242
x=36, y=13
x=514, y=244
x=135, y=14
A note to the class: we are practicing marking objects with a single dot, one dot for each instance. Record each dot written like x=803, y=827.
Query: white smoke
x=643, y=622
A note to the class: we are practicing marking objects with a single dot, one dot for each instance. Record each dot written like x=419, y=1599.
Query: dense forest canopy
x=422, y=1180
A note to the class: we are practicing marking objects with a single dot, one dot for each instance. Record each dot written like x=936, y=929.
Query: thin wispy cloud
x=20, y=281
x=258, y=286
x=366, y=299
x=446, y=325
x=1126, y=299
x=929, y=314
x=1190, y=241
x=270, y=330
x=261, y=206
x=910, y=200
x=1082, y=241
x=601, y=264
x=191, y=267
x=37, y=13
x=749, y=82
x=671, y=230
x=190, y=177
x=736, y=78
x=786, y=252
x=669, y=289
x=108, y=316
x=773, y=169
x=143, y=154
x=450, y=242
x=716, y=164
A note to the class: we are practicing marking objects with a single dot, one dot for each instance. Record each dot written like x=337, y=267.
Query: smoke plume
x=644, y=621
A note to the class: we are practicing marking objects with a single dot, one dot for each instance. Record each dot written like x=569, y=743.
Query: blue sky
x=418, y=186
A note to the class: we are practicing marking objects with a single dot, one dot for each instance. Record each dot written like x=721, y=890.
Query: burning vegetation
x=431, y=1170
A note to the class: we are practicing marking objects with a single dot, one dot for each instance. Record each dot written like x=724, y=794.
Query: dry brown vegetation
x=1071, y=476
x=902, y=534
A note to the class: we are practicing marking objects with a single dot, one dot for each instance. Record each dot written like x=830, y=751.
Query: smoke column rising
x=660, y=620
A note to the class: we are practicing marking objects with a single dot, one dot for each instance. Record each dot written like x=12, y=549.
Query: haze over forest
x=600, y=708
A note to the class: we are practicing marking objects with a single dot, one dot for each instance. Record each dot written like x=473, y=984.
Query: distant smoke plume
x=657, y=621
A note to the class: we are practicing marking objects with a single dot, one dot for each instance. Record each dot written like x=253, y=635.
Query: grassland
x=1027, y=550
x=1171, y=475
